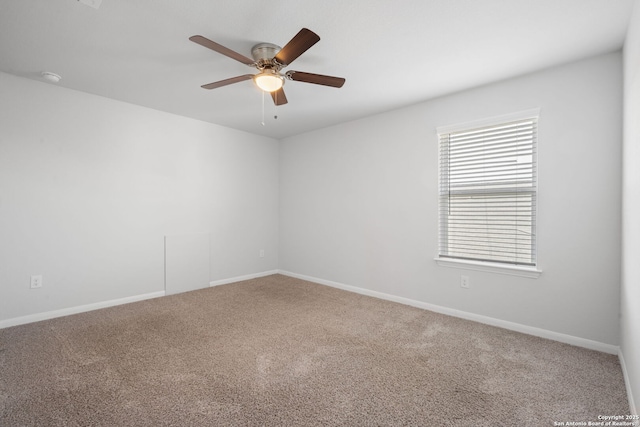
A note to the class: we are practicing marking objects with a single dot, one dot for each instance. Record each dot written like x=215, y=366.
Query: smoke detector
x=50, y=77
x=91, y=3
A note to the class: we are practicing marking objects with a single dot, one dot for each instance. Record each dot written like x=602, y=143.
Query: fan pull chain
x=262, y=108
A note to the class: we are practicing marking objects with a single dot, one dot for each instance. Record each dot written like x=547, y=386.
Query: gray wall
x=358, y=202
x=89, y=187
x=630, y=320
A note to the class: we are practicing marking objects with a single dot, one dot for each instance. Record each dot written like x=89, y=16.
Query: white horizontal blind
x=488, y=193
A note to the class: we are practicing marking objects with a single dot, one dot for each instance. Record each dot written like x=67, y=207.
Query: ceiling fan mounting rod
x=264, y=51
x=264, y=56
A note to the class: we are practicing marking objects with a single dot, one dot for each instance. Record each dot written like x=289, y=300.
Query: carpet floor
x=278, y=351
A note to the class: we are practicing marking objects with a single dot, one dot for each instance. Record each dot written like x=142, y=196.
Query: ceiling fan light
x=269, y=81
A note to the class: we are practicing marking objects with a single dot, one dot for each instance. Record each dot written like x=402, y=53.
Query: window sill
x=511, y=270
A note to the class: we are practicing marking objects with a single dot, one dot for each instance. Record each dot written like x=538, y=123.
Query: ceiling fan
x=269, y=59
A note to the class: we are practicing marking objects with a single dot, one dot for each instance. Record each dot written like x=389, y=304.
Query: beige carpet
x=278, y=351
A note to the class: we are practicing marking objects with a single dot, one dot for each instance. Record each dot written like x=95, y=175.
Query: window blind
x=487, y=207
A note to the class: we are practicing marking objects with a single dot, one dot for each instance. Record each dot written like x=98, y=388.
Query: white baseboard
x=543, y=333
x=632, y=405
x=75, y=310
x=530, y=330
x=104, y=304
x=241, y=278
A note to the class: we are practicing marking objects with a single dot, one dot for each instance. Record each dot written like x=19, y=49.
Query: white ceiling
x=392, y=53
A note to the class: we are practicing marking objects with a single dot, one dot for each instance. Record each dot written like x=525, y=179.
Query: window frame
x=489, y=266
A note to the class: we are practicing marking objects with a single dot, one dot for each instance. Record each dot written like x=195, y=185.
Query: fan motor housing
x=264, y=52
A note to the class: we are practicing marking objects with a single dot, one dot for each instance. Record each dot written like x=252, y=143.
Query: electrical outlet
x=464, y=282
x=36, y=281
x=261, y=253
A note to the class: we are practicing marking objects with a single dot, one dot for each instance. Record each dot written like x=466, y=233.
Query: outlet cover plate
x=464, y=282
x=36, y=281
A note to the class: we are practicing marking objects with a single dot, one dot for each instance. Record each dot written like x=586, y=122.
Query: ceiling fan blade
x=228, y=81
x=297, y=46
x=203, y=41
x=317, y=79
x=279, y=98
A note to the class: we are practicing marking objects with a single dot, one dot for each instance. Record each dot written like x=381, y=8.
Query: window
x=487, y=206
